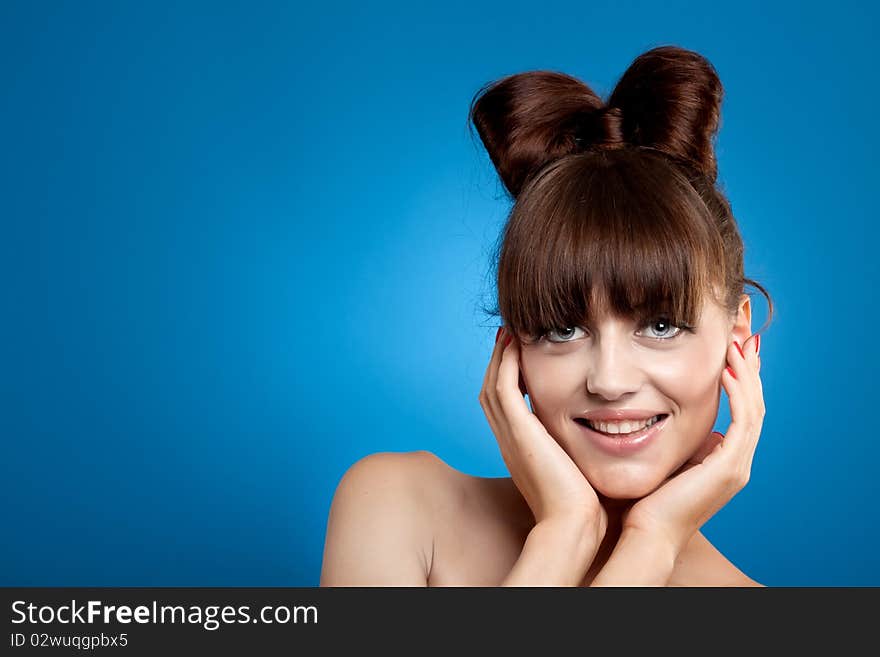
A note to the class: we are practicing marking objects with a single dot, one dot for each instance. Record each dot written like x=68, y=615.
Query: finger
x=742, y=372
x=741, y=438
x=505, y=341
x=497, y=359
x=750, y=349
x=512, y=402
x=494, y=358
x=488, y=391
x=736, y=398
x=746, y=368
x=736, y=358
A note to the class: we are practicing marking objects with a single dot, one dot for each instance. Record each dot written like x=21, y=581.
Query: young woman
x=621, y=292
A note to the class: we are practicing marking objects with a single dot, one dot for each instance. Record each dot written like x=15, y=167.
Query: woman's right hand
x=553, y=486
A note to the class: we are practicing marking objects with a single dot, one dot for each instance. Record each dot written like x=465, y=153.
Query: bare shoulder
x=379, y=529
x=702, y=564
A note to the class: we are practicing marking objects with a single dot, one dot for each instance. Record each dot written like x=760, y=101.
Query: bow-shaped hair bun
x=601, y=129
x=668, y=100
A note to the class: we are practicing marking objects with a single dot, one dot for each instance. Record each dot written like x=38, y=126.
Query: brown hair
x=620, y=195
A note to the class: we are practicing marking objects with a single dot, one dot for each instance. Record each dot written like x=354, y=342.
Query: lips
x=625, y=444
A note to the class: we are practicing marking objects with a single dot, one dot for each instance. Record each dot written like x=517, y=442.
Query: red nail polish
x=507, y=340
x=739, y=349
x=757, y=344
x=731, y=372
x=498, y=334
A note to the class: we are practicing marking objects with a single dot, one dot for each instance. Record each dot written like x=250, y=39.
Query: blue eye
x=662, y=321
x=663, y=325
x=566, y=331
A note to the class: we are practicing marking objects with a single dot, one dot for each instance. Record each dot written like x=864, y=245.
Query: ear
x=742, y=326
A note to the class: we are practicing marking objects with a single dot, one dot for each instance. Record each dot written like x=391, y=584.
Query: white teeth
x=623, y=427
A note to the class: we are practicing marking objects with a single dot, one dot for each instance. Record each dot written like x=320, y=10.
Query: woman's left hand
x=718, y=470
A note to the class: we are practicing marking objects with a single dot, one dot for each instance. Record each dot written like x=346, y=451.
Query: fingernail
x=731, y=372
x=740, y=349
x=507, y=340
x=498, y=334
x=757, y=344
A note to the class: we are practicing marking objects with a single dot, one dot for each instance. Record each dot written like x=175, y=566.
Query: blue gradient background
x=246, y=244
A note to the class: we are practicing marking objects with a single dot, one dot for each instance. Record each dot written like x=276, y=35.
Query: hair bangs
x=630, y=237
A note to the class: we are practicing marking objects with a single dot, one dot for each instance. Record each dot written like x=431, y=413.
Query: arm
x=377, y=532
x=641, y=559
x=556, y=553
x=638, y=559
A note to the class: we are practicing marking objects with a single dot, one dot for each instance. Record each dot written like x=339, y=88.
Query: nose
x=611, y=370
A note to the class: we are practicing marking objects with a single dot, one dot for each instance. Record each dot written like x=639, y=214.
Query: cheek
x=548, y=376
x=689, y=379
x=549, y=383
x=693, y=383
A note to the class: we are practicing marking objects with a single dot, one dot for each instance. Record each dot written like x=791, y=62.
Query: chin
x=625, y=481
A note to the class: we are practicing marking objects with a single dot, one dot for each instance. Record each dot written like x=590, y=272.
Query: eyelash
x=682, y=328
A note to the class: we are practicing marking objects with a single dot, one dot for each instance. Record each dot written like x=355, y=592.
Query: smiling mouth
x=595, y=427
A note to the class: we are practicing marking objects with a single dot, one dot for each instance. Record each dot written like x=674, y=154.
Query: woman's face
x=616, y=365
